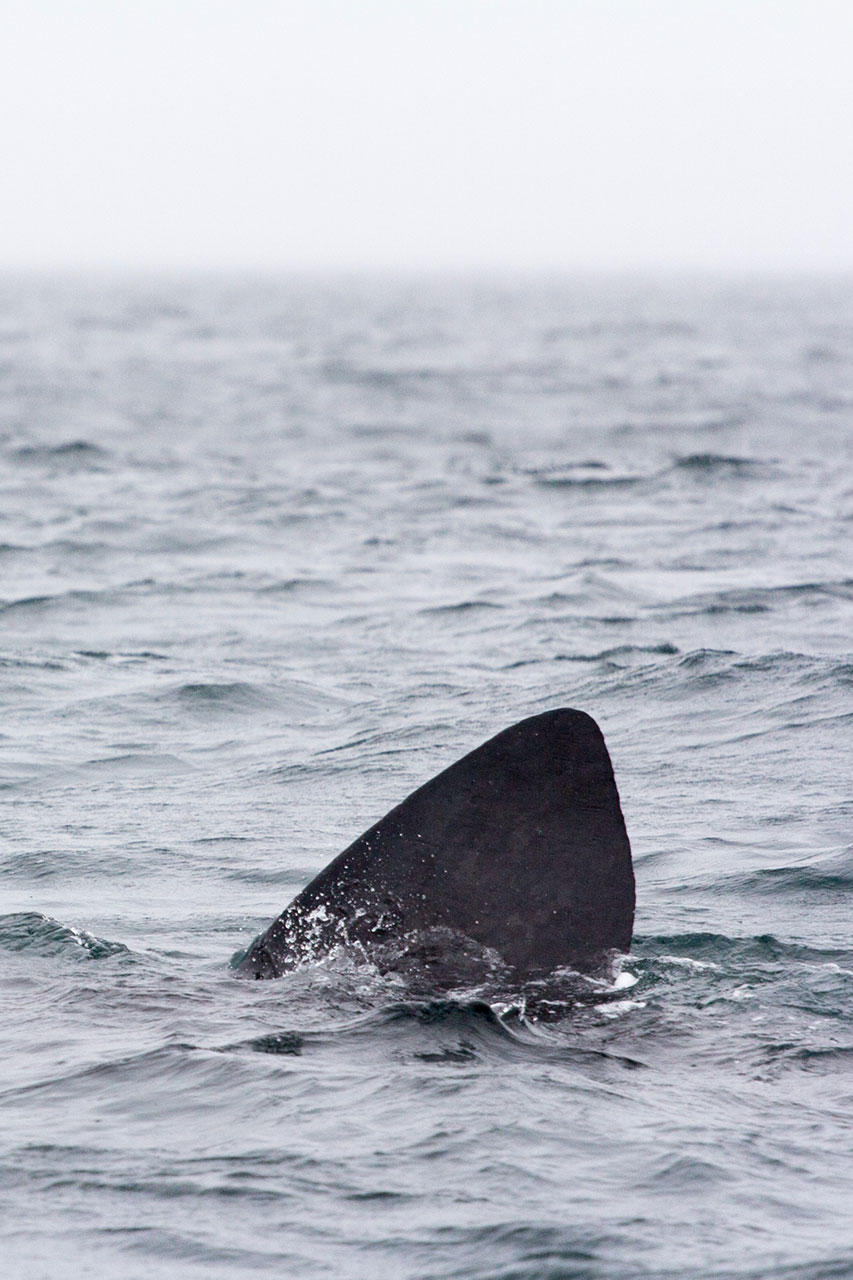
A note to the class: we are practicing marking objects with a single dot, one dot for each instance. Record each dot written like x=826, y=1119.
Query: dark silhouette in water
x=520, y=848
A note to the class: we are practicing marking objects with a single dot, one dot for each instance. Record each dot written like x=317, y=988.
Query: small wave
x=166, y=1065
x=587, y=475
x=463, y=606
x=758, y=599
x=30, y=864
x=709, y=947
x=714, y=607
x=340, y=371
x=718, y=950
x=683, y=1172
x=77, y=547
x=40, y=604
x=665, y=649
x=708, y=663
x=103, y=655
x=290, y=878
x=607, y=656
x=706, y=464
x=236, y=696
x=31, y=664
x=379, y=431
x=140, y=763
x=75, y=453
x=290, y=586
x=819, y=1060
x=43, y=936
x=803, y=668
x=832, y=875
x=289, y=1043
x=473, y=1028
x=445, y=1031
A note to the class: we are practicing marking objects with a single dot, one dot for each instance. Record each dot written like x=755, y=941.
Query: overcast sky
x=615, y=134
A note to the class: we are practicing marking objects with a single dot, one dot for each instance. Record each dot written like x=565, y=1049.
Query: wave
x=237, y=695
x=290, y=586
x=72, y=453
x=586, y=475
x=16, y=662
x=463, y=606
x=756, y=599
x=438, y=1034
x=442, y=1032
x=131, y=655
x=607, y=656
x=714, y=464
x=41, y=935
x=290, y=1043
x=141, y=763
x=798, y=685
x=244, y=696
x=831, y=876
x=40, y=604
x=597, y=474
x=831, y=1060
x=719, y=949
x=806, y=680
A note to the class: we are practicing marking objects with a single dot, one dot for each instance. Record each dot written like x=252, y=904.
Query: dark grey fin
x=520, y=846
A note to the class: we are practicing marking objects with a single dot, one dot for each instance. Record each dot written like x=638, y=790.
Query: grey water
x=272, y=553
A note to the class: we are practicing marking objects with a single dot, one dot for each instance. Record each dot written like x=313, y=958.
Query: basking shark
x=519, y=848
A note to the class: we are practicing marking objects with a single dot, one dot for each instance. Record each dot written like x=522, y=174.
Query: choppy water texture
x=273, y=553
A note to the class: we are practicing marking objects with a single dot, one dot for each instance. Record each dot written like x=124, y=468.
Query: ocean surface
x=272, y=553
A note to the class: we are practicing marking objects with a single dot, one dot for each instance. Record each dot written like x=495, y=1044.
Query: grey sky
x=427, y=133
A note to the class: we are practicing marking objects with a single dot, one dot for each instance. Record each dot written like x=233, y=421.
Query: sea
x=273, y=552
